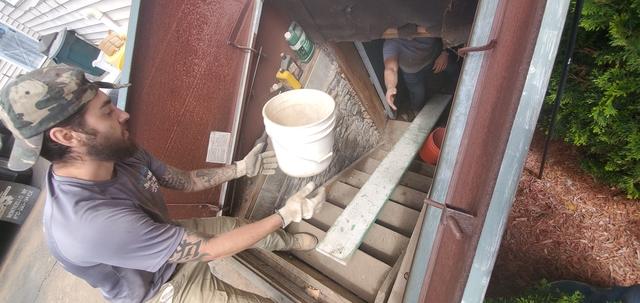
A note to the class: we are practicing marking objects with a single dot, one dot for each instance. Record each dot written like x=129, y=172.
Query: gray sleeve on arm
x=390, y=49
x=157, y=167
x=129, y=238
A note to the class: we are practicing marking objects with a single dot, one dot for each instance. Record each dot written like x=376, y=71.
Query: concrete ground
x=29, y=273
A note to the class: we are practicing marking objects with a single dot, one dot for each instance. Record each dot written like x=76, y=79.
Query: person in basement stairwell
x=105, y=219
x=414, y=58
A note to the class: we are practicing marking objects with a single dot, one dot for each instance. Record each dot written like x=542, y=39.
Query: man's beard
x=109, y=149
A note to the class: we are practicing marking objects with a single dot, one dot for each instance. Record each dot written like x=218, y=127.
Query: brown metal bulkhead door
x=185, y=80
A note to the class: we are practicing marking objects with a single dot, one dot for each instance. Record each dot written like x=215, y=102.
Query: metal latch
x=460, y=222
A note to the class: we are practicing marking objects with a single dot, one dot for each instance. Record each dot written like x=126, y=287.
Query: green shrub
x=600, y=109
x=541, y=293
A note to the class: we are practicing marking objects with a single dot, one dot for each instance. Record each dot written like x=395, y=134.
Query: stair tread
x=404, y=195
x=380, y=242
x=363, y=276
x=378, y=154
x=416, y=181
x=422, y=168
x=409, y=178
x=393, y=215
x=393, y=131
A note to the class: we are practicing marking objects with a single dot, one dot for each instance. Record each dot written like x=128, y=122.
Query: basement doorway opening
x=371, y=53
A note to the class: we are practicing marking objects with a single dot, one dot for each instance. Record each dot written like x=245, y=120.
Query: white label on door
x=218, y=147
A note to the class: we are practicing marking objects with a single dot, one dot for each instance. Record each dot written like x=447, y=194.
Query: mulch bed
x=567, y=226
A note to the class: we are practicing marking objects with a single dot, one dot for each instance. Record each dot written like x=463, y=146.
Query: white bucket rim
x=288, y=130
x=298, y=91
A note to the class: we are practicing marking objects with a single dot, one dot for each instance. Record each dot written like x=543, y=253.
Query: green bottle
x=299, y=42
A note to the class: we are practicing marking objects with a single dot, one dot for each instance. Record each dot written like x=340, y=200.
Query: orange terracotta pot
x=430, y=150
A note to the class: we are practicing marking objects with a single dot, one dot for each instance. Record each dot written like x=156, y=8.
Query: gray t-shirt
x=115, y=234
x=412, y=54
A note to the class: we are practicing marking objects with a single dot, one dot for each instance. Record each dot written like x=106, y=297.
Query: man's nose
x=123, y=116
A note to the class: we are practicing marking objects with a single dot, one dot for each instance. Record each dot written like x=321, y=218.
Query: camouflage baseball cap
x=37, y=101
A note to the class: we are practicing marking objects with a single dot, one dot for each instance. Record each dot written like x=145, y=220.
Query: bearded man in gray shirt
x=105, y=219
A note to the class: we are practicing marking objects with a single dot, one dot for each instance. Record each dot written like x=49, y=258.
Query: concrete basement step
x=382, y=246
x=363, y=276
x=381, y=242
x=393, y=215
x=404, y=195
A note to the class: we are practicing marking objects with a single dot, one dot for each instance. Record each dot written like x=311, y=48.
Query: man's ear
x=64, y=136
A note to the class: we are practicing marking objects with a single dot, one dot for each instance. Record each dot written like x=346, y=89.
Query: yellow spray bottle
x=287, y=72
x=288, y=78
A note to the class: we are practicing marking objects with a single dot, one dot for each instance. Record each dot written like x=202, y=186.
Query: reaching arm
x=201, y=247
x=391, y=79
x=196, y=180
x=252, y=164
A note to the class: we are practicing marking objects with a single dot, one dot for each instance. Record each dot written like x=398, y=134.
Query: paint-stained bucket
x=300, y=123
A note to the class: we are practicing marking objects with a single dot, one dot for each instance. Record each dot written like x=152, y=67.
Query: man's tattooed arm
x=196, y=180
x=191, y=248
x=196, y=246
x=176, y=179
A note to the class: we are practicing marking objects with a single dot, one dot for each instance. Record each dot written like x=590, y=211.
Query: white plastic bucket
x=300, y=123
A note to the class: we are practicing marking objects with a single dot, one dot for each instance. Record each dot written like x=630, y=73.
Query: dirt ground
x=567, y=226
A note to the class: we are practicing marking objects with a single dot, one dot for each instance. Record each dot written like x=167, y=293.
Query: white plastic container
x=300, y=123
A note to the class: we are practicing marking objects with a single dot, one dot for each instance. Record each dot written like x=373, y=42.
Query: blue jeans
x=416, y=82
x=416, y=85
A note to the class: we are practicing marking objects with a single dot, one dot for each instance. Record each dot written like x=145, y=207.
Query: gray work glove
x=255, y=163
x=300, y=207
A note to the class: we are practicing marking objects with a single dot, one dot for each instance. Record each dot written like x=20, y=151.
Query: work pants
x=193, y=282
